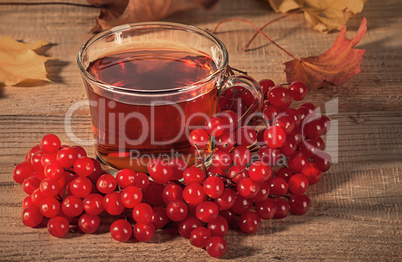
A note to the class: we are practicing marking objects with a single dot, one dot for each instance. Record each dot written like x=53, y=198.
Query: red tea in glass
x=149, y=85
x=119, y=135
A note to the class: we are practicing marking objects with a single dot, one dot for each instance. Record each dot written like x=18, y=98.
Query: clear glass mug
x=150, y=84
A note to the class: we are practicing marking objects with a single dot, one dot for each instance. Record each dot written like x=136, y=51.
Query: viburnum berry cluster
x=253, y=173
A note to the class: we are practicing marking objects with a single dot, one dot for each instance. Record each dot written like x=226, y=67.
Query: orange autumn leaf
x=322, y=15
x=118, y=12
x=19, y=63
x=335, y=66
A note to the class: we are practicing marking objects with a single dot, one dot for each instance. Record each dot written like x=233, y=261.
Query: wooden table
x=356, y=208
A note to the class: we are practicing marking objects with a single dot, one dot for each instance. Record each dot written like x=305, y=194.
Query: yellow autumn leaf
x=19, y=63
x=323, y=15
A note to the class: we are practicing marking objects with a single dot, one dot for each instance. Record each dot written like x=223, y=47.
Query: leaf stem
x=267, y=24
x=258, y=29
x=49, y=3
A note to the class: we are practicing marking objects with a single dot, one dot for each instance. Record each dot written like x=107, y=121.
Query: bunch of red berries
x=253, y=173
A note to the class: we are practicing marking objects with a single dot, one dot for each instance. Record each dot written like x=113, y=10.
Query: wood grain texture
x=356, y=208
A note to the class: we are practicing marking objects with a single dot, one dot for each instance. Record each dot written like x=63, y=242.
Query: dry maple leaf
x=117, y=12
x=18, y=61
x=335, y=66
x=323, y=15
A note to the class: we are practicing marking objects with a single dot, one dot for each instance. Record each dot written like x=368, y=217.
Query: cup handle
x=252, y=86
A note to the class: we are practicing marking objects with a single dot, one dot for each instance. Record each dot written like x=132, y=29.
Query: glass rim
x=145, y=25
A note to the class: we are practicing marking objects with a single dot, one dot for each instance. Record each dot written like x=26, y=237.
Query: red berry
x=241, y=155
x=125, y=178
x=176, y=210
x=266, y=84
x=278, y=186
x=263, y=193
x=270, y=113
x=159, y=217
x=193, y=175
x=299, y=204
x=298, y=184
x=84, y=166
x=214, y=126
x=269, y=156
x=178, y=166
x=260, y=172
x=247, y=188
x=121, y=230
x=294, y=115
x=31, y=152
x=218, y=227
x=142, y=213
x=282, y=208
x=216, y=246
x=225, y=142
x=207, y=211
x=284, y=172
x=274, y=136
x=266, y=209
x=213, y=186
x=199, y=237
x=54, y=171
x=30, y=184
x=297, y=161
x=31, y=216
x=143, y=232
x=113, y=204
x=141, y=181
x=106, y=184
x=279, y=97
x=187, y=225
x=48, y=158
x=153, y=194
x=93, y=204
x=222, y=159
x=198, y=138
x=131, y=196
x=49, y=207
x=249, y=223
x=312, y=172
x=245, y=136
x=49, y=187
x=72, y=206
x=285, y=122
x=58, y=226
x=88, y=223
x=323, y=161
x=298, y=90
x=289, y=146
x=22, y=171
x=50, y=143
x=172, y=192
x=226, y=200
x=80, y=151
x=242, y=205
x=230, y=120
x=66, y=157
x=314, y=129
x=327, y=124
x=160, y=171
x=81, y=187
x=194, y=194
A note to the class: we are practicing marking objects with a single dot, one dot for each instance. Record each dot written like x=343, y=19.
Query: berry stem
x=201, y=158
x=258, y=29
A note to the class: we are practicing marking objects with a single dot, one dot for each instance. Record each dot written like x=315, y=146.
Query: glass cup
x=149, y=85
